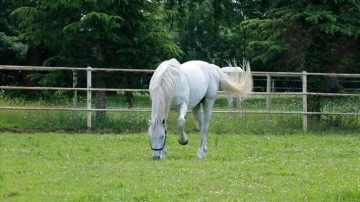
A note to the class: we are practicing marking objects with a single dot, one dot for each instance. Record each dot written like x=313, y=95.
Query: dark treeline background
x=279, y=35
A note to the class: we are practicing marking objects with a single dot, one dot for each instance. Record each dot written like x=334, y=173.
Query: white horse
x=234, y=72
x=192, y=85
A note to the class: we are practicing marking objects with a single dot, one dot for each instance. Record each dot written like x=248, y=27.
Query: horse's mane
x=162, y=88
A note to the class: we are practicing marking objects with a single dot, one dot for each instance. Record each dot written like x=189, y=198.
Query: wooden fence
x=89, y=89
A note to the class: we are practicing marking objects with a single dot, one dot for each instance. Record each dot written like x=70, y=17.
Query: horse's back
x=203, y=80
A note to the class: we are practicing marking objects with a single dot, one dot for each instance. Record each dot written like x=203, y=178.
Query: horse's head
x=157, y=138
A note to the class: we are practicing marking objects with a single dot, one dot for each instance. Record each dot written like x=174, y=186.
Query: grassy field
x=109, y=167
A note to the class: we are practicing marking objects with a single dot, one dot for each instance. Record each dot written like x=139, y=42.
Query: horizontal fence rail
x=89, y=89
x=146, y=90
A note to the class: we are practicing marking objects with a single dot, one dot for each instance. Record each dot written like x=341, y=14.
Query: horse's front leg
x=181, y=124
x=207, y=111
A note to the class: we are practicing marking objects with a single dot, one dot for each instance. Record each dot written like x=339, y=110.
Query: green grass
x=83, y=167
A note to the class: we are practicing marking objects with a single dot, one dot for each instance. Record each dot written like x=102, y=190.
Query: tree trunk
x=100, y=100
x=129, y=97
x=315, y=64
x=314, y=105
x=33, y=58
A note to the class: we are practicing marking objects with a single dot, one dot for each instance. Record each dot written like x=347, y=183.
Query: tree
x=311, y=35
x=98, y=33
x=211, y=30
x=12, y=49
x=207, y=30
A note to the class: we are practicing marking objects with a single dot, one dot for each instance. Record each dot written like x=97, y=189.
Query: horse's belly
x=196, y=96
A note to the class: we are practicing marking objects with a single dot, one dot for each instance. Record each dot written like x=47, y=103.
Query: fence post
x=74, y=86
x=304, y=91
x=268, y=90
x=88, y=100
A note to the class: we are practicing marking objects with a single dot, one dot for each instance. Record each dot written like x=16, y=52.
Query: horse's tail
x=242, y=84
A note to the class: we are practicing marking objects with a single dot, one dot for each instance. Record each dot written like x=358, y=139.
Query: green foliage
x=315, y=36
x=272, y=49
x=208, y=30
x=283, y=35
x=94, y=31
x=122, y=34
x=97, y=23
x=308, y=33
x=12, y=50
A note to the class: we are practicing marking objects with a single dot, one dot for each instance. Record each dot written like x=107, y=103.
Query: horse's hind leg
x=238, y=103
x=181, y=124
x=229, y=98
x=198, y=116
x=207, y=107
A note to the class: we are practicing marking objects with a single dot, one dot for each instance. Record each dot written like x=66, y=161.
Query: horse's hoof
x=183, y=143
x=201, y=154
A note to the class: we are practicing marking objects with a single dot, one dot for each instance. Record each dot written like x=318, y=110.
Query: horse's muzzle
x=159, y=149
x=155, y=158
